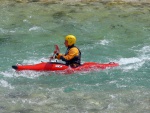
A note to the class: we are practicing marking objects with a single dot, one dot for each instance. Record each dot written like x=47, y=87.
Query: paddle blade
x=57, y=49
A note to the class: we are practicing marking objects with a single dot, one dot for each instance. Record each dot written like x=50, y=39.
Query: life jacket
x=75, y=60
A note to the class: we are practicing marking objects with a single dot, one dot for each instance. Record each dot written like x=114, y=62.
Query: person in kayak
x=72, y=56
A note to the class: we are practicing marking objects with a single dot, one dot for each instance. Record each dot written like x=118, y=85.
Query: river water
x=105, y=32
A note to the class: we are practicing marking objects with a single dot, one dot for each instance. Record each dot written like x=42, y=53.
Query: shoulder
x=74, y=49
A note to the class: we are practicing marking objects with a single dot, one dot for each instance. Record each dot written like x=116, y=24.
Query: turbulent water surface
x=105, y=32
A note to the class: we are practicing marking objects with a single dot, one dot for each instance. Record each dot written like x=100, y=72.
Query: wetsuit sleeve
x=71, y=54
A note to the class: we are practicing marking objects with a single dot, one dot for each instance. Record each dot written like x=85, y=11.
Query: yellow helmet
x=71, y=39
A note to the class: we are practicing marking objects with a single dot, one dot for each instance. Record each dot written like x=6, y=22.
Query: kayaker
x=72, y=56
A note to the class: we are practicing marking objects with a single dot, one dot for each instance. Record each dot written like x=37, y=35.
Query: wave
x=136, y=62
x=36, y=28
x=103, y=42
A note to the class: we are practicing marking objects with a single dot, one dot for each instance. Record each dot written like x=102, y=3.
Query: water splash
x=35, y=28
x=136, y=62
x=103, y=42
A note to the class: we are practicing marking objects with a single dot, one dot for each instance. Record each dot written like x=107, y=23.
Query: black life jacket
x=76, y=59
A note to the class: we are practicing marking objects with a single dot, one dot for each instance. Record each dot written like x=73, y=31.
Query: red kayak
x=62, y=68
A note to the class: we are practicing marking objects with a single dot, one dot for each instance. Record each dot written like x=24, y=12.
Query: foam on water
x=27, y=74
x=145, y=52
x=7, y=73
x=35, y=28
x=136, y=62
x=5, y=31
x=103, y=42
x=4, y=83
x=131, y=63
x=35, y=61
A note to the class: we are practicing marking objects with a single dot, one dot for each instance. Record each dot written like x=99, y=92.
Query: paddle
x=55, y=52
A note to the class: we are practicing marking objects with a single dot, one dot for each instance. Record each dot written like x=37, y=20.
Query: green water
x=105, y=32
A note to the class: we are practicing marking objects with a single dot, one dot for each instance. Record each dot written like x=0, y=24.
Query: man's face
x=66, y=43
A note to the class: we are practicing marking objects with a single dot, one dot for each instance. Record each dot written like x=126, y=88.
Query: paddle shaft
x=55, y=52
